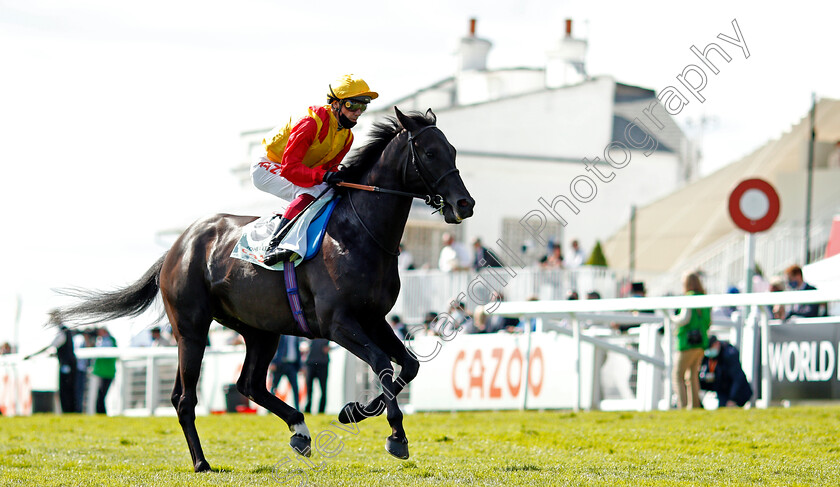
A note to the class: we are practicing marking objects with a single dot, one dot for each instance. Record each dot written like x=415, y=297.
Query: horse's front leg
x=396, y=350
x=259, y=349
x=357, y=342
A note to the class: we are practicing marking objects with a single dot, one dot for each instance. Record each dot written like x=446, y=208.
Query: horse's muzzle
x=463, y=209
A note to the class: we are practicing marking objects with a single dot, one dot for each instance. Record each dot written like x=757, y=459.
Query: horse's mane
x=381, y=134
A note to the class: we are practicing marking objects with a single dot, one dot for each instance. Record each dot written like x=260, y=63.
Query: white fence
x=752, y=338
x=145, y=377
x=142, y=386
x=432, y=290
x=571, y=360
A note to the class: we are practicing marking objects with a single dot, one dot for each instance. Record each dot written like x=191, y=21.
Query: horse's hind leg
x=260, y=347
x=184, y=396
x=357, y=342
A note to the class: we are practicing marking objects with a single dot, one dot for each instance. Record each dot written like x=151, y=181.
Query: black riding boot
x=274, y=255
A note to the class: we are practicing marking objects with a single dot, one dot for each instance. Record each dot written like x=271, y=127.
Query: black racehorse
x=346, y=289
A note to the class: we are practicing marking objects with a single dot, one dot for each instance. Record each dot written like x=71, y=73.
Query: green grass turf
x=796, y=446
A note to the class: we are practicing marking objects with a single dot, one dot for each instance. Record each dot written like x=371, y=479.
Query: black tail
x=99, y=306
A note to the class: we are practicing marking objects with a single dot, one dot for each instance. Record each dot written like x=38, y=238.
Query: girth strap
x=294, y=298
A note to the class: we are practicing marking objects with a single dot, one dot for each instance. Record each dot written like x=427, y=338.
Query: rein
x=376, y=189
x=370, y=234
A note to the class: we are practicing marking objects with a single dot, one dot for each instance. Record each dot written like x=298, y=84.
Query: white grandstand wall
x=569, y=122
x=511, y=189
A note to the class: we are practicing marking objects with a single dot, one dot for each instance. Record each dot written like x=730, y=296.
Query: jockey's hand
x=333, y=178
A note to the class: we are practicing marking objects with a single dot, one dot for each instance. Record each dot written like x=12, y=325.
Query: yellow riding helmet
x=350, y=86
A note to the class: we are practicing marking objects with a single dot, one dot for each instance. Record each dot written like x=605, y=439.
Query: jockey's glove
x=333, y=178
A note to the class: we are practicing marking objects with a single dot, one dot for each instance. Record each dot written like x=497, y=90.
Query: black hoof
x=202, y=466
x=350, y=413
x=353, y=412
x=301, y=445
x=398, y=448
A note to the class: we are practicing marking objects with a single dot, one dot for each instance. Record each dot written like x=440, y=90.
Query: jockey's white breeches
x=266, y=177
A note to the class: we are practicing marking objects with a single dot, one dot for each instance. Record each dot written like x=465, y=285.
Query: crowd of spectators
x=456, y=256
x=791, y=280
x=701, y=361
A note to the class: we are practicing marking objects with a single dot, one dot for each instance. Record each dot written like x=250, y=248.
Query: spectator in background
x=104, y=368
x=397, y=326
x=637, y=290
x=526, y=323
x=777, y=284
x=158, y=339
x=554, y=259
x=481, y=257
x=286, y=361
x=453, y=256
x=317, y=367
x=405, y=261
x=479, y=322
x=578, y=257
x=6, y=349
x=722, y=373
x=461, y=319
x=692, y=340
x=572, y=295
x=67, y=365
x=796, y=282
x=726, y=312
x=759, y=283
x=427, y=328
x=496, y=323
x=85, y=339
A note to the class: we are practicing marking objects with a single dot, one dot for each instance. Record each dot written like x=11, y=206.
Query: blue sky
x=115, y=123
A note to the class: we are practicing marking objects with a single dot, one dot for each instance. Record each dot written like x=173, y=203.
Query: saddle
x=304, y=238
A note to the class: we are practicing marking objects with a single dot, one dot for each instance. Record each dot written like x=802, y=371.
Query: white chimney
x=472, y=53
x=566, y=64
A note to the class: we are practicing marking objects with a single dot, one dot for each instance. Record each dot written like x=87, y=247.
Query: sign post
x=754, y=207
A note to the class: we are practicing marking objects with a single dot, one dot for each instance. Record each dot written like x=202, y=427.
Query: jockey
x=302, y=157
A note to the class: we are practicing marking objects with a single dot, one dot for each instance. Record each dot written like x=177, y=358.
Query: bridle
x=431, y=198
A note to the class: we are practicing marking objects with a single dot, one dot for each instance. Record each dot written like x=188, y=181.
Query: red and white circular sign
x=754, y=205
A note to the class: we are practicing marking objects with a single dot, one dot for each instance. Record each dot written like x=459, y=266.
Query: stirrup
x=278, y=255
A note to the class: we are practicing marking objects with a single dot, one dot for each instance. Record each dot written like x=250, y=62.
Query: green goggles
x=354, y=105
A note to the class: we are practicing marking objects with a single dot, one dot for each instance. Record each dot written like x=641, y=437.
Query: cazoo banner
x=803, y=361
x=497, y=371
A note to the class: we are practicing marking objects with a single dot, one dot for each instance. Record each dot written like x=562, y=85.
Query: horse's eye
x=430, y=154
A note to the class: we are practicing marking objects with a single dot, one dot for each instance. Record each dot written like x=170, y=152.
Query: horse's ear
x=406, y=122
x=430, y=115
